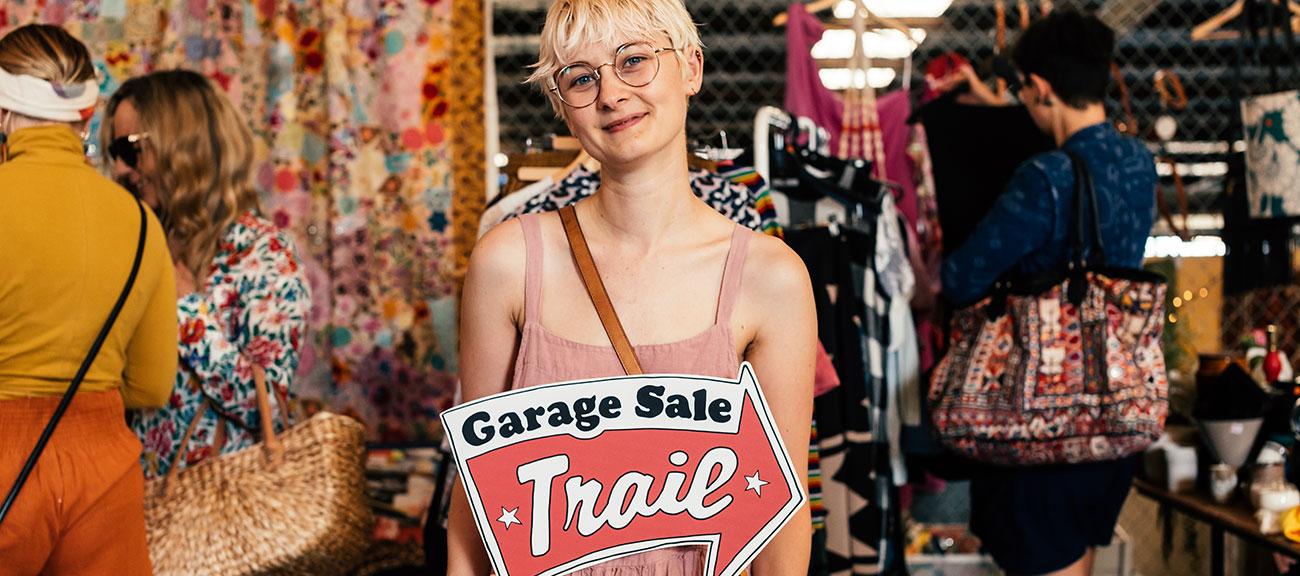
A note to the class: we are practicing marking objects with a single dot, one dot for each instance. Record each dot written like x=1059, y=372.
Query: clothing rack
x=850, y=189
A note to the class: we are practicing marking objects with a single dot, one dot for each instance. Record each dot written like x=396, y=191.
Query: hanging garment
x=969, y=175
x=855, y=473
x=508, y=203
x=903, y=376
x=825, y=379
x=730, y=198
x=927, y=253
x=1272, y=123
x=1259, y=251
x=860, y=136
x=762, y=194
x=805, y=95
x=900, y=164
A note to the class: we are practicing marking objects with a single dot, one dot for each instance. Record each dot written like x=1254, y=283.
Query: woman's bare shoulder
x=501, y=250
x=497, y=266
x=773, y=272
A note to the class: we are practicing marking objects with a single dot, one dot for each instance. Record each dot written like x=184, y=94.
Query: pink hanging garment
x=804, y=93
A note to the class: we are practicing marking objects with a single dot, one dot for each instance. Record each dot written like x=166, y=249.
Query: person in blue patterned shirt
x=1047, y=520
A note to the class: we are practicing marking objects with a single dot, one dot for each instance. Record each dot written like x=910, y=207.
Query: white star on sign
x=753, y=483
x=508, y=517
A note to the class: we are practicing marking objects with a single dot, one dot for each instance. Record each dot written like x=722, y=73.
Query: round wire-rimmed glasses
x=635, y=63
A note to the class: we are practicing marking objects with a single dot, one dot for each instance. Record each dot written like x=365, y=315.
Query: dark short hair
x=1072, y=52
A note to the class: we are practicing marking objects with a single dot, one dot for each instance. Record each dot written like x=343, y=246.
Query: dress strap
x=733, y=271
x=532, y=267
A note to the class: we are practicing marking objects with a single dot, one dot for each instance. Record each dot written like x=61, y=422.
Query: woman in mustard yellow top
x=67, y=240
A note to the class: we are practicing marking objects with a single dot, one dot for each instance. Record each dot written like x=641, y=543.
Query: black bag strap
x=1085, y=210
x=81, y=373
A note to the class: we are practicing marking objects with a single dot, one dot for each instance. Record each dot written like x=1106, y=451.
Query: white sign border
x=749, y=381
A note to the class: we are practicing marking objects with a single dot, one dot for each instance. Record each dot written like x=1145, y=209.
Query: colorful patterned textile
x=815, y=504
x=252, y=308
x=349, y=101
x=1272, y=124
x=730, y=197
x=1051, y=382
x=748, y=176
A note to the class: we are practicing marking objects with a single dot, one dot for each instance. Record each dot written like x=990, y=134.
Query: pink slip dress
x=546, y=358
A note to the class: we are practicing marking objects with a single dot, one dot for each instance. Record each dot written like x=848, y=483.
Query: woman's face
x=126, y=122
x=625, y=123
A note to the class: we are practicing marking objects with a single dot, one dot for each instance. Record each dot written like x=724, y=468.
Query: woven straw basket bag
x=293, y=504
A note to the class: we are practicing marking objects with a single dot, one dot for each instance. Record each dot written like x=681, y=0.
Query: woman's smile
x=624, y=123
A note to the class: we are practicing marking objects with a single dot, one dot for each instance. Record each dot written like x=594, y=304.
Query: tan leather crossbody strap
x=596, y=289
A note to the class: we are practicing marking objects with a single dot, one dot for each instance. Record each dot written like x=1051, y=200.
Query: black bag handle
x=1085, y=209
x=1086, y=216
x=81, y=373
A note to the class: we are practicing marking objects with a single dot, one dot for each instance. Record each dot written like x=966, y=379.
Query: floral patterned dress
x=251, y=309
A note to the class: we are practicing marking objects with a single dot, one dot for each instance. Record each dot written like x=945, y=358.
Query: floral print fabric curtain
x=350, y=101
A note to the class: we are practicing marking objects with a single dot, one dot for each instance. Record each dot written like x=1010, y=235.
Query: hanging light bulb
x=882, y=43
x=896, y=8
x=843, y=78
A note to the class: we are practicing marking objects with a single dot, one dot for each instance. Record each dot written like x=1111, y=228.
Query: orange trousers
x=82, y=509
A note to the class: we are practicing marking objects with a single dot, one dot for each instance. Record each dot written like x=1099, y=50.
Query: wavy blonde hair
x=203, y=151
x=572, y=24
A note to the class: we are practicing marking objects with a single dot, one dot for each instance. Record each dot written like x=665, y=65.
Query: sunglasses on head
x=127, y=149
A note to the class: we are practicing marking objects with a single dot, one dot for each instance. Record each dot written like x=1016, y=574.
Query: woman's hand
x=185, y=282
x=979, y=91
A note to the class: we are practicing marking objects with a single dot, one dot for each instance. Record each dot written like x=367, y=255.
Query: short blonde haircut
x=572, y=24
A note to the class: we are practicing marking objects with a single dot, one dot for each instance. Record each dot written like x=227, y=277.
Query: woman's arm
x=490, y=309
x=1020, y=222
x=151, y=353
x=273, y=305
x=777, y=298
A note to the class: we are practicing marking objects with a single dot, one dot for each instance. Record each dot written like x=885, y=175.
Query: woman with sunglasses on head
x=695, y=293
x=68, y=239
x=243, y=300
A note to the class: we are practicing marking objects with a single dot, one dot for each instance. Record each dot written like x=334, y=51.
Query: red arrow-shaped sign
x=566, y=476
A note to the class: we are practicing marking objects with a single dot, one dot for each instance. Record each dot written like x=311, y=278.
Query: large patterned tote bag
x=1062, y=369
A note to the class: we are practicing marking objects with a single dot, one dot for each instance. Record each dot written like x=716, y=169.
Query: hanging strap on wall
x=1181, y=193
x=1129, y=124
